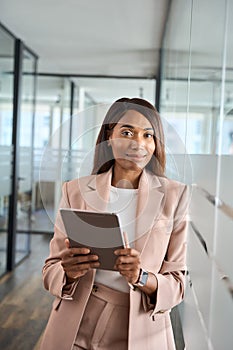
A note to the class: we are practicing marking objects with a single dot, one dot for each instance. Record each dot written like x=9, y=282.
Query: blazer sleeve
x=171, y=277
x=53, y=274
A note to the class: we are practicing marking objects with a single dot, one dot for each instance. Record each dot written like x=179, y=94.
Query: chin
x=132, y=166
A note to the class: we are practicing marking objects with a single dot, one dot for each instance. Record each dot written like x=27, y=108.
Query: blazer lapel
x=148, y=207
x=97, y=192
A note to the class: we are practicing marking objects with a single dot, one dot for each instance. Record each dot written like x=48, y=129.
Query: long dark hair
x=103, y=158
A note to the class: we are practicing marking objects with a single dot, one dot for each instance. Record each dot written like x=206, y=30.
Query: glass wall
x=222, y=271
x=51, y=134
x=196, y=103
x=17, y=104
x=6, y=125
x=25, y=171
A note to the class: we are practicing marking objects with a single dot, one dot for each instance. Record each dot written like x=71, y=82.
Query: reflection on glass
x=6, y=122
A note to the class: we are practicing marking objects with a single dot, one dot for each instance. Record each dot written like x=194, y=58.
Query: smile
x=136, y=157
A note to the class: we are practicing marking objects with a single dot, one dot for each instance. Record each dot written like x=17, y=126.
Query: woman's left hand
x=128, y=264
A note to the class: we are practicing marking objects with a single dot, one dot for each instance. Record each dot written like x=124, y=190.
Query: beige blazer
x=160, y=237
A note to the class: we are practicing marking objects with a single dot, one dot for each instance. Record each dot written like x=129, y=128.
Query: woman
x=97, y=309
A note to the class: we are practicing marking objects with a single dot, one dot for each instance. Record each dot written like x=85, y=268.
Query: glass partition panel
x=52, y=134
x=223, y=252
x=26, y=124
x=196, y=100
x=205, y=98
x=6, y=123
x=66, y=104
x=175, y=87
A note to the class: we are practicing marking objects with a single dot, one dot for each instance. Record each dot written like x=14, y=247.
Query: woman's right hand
x=76, y=262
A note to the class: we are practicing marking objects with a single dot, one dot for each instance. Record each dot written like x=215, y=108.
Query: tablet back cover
x=98, y=231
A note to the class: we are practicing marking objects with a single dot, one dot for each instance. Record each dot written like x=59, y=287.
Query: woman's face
x=132, y=141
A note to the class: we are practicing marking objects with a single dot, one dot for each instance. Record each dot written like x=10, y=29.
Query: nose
x=137, y=142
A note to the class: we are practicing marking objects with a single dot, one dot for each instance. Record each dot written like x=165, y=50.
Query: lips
x=136, y=157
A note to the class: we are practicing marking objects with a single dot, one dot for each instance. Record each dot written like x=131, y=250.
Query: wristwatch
x=142, y=279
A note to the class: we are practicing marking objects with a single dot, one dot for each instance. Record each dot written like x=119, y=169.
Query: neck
x=125, y=178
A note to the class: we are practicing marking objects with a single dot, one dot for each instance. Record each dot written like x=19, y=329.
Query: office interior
x=49, y=118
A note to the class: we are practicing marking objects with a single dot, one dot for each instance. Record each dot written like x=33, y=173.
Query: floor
x=24, y=304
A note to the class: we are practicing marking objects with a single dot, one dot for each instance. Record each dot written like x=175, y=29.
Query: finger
x=127, y=267
x=88, y=266
x=127, y=251
x=80, y=267
x=80, y=251
x=80, y=259
x=129, y=274
x=68, y=253
x=126, y=259
x=67, y=243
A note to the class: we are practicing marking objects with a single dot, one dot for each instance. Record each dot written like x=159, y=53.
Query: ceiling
x=104, y=37
x=121, y=38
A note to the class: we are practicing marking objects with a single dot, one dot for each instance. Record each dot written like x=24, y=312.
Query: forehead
x=135, y=119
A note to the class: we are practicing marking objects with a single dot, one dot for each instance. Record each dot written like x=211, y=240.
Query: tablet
x=98, y=231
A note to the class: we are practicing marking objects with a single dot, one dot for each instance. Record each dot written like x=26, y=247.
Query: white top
x=122, y=201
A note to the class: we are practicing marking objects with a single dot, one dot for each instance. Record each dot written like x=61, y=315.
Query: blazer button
x=161, y=311
x=94, y=288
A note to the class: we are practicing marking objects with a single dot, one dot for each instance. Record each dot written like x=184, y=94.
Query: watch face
x=143, y=278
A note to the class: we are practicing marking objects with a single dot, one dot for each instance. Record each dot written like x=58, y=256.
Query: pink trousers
x=104, y=325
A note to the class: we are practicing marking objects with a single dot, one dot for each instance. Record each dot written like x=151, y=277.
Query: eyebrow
x=132, y=127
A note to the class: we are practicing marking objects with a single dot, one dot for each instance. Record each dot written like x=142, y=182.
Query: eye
x=149, y=135
x=127, y=133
